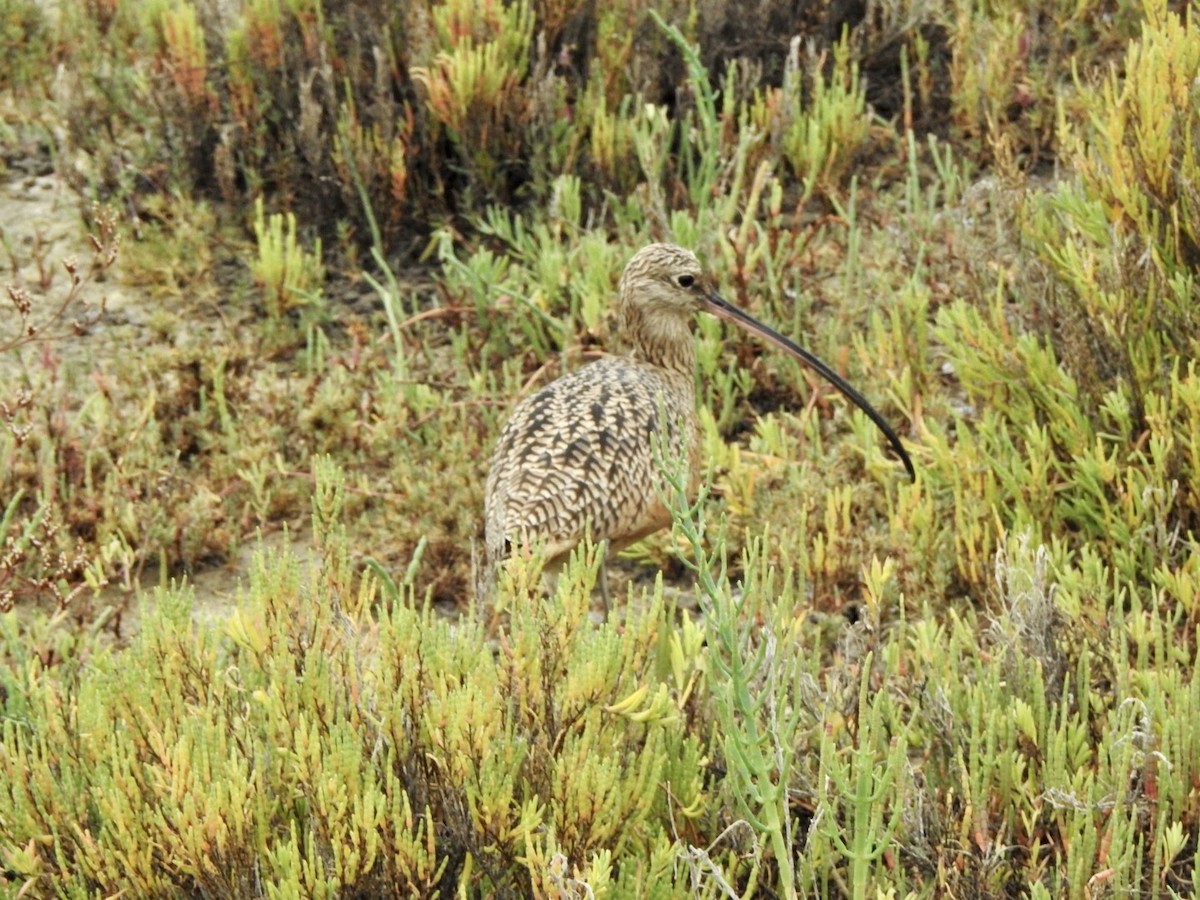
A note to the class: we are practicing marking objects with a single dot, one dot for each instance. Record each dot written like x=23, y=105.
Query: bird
x=583, y=456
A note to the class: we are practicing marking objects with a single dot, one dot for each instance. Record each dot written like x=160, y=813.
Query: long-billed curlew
x=578, y=457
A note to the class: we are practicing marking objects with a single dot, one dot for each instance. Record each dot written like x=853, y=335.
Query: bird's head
x=663, y=286
x=663, y=280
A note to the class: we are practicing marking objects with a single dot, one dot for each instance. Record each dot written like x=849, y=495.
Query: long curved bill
x=723, y=309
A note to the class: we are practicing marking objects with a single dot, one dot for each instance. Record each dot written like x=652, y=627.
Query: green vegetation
x=358, y=232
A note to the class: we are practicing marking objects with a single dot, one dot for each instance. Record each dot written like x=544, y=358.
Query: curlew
x=579, y=457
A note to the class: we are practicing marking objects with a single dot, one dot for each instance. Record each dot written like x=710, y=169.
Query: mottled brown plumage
x=578, y=457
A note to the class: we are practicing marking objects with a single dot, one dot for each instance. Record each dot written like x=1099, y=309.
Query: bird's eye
x=686, y=281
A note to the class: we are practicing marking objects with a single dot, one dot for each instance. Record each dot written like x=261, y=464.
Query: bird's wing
x=577, y=455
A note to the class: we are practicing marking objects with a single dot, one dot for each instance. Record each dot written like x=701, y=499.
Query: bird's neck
x=662, y=341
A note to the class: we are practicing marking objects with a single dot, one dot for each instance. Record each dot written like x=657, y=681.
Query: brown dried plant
x=58, y=323
x=33, y=561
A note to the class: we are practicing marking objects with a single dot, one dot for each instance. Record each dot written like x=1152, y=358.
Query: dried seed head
x=21, y=300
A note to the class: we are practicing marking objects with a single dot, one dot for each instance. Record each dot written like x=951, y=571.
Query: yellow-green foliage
x=187, y=57
x=1089, y=433
x=288, y=275
x=824, y=681
x=827, y=128
x=314, y=746
x=1008, y=64
x=1132, y=221
x=318, y=744
x=387, y=116
x=472, y=86
x=23, y=28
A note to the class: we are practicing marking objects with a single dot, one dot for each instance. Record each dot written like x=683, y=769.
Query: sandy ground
x=40, y=228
